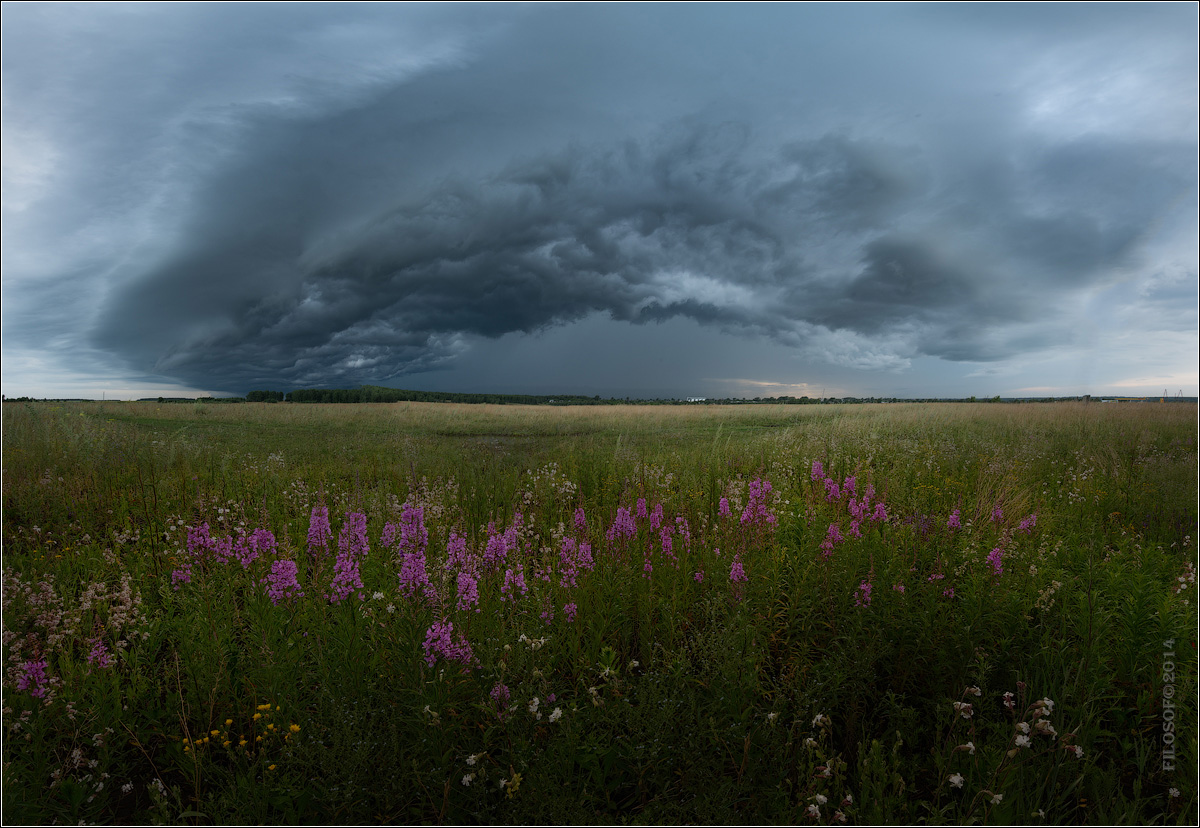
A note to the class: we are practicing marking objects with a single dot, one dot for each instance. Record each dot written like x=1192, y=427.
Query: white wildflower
x=1022, y=741
x=956, y=780
x=556, y=715
x=468, y=779
x=820, y=799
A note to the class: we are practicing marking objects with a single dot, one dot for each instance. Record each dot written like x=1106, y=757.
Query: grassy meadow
x=438, y=613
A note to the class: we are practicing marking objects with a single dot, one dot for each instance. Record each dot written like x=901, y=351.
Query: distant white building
x=696, y=399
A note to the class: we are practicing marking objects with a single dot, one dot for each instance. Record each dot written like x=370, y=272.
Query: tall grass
x=948, y=613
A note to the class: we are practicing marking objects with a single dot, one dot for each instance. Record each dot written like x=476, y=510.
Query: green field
x=941, y=613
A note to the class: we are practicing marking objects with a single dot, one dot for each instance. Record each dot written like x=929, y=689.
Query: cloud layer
x=328, y=197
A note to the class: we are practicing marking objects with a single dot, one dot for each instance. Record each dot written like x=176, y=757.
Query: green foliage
x=825, y=685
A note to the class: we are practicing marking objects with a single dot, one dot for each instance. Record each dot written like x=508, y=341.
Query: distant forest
x=379, y=394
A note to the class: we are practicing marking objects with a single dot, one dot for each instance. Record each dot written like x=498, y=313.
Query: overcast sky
x=644, y=200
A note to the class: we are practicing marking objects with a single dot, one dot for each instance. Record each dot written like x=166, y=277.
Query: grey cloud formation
x=258, y=196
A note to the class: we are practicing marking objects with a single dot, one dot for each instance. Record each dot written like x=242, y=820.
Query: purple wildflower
x=736, y=573
x=468, y=592
x=880, y=512
x=699, y=576
x=457, y=556
x=181, y=576
x=440, y=642
x=352, y=540
x=954, y=522
x=33, y=675
x=818, y=470
x=319, y=533
x=622, y=526
x=281, y=583
x=500, y=695
x=99, y=656
x=997, y=514
x=569, y=611
x=832, y=492
x=656, y=517
x=514, y=582
x=641, y=508
x=1028, y=523
x=996, y=559
x=863, y=598
x=580, y=521
x=723, y=508
x=756, y=512
x=345, y=580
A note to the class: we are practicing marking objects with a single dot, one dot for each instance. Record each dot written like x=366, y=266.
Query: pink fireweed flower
x=1028, y=523
x=723, y=508
x=99, y=655
x=346, y=580
x=656, y=517
x=622, y=527
x=899, y=588
x=414, y=537
x=880, y=513
x=641, y=508
x=756, y=512
x=181, y=576
x=684, y=531
x=514, y=585
x=500, y=695
x=569, y=611
x=32, y=677
x=281, y=583
x=736, y=573
x=440, y=642
x=818, y=471
x=848, y=485
x=664, y=537
x=580, y=521
x=997, y=514
x=199, y=540
x=249, y=547
x=996, y=558
x=832, y=491
x=699, y=576
x=319, y=533
x=457, y=556
x=854, y=530
x=414, y=578
x=863, y=597
x=352, y=540
x=954, y=522
x=468, y=592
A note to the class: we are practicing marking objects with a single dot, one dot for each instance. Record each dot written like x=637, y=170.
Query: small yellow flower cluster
x=261, y=717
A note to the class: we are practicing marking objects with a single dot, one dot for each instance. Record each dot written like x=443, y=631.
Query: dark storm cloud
x=343, y=195
x=700, y=222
